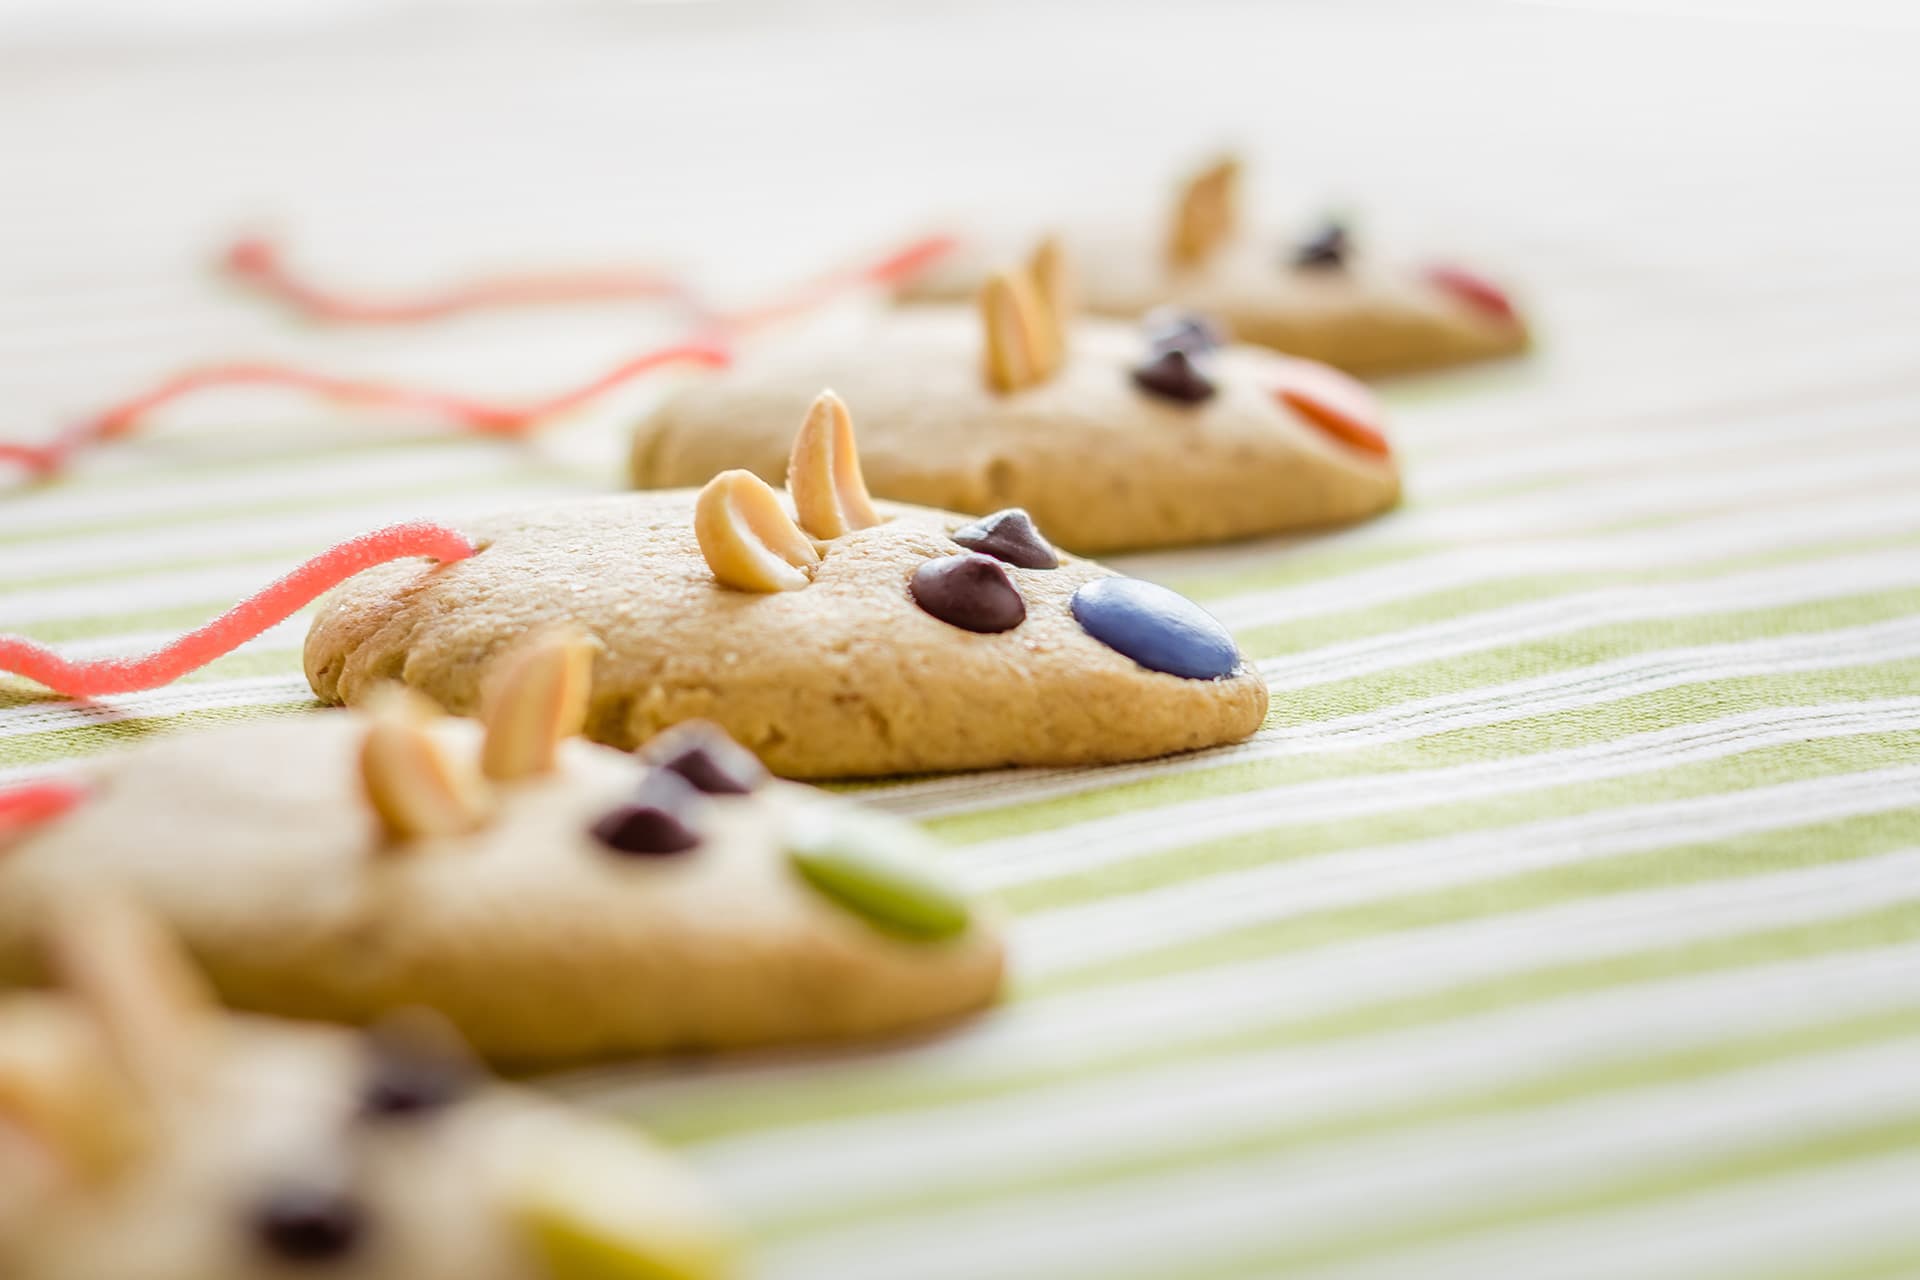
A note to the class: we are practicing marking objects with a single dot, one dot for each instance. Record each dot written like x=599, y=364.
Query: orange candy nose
x=1475, y=290
x=1336, y=404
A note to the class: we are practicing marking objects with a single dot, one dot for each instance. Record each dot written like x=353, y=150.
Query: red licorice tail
x=902, y=263
x=259, y=262
x=273, y=604
x=485, y=417
x=43, y=460
x=711, y=349
x=479, y=416
x=34, y=803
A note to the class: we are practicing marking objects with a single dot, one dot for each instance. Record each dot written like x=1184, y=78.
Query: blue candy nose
x=1161, y=630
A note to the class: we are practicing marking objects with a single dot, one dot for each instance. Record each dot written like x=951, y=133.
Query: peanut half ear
x=750, y=542
x=151, y=1006
x=1053, y=289
x=417, y=790
x=541, y=698
x=1021, y=351
x=62, y=1091
x=1206, y=214
x=823, y=473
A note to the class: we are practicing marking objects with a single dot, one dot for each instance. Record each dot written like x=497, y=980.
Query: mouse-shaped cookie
x=554, y=899
x=1315, y=292
x=144, y=1135
x=831, y=635
x=1111, y=435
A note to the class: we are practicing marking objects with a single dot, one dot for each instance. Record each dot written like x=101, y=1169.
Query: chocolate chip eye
x=1172, y=375
x=1325, y=249
x=655, y=822
x=706, y=757
x=1161, y=630
x=1010, y=536
x=1169, y=328
x=416, y=1066
x=969, y=591
x=308, y=1223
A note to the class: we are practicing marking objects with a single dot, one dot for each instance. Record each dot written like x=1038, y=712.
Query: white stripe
x=44, y=514
x=1668, y=546
x=133, y=554
x=1755, y=486
x=1086, y=1124
x=1125, y=836
x=1080, y=1030
x=1704, y=386
x=254, y=691
x=1557, y=691
x=1163, y=1223
x=1585, y=454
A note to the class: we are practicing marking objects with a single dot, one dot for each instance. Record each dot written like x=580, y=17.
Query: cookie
x=1317, y=292
x=145, y=1136
x=862, y=640
x=1113, y=436
x=556, y=900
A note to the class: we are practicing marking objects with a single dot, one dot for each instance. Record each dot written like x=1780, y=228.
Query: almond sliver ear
x=541, y=699
x=1053, y=295
x=823, y=473
x=1206, y=213
x=151, y=1006
x=412, y=784
x=749, y=541
x=1016, y=343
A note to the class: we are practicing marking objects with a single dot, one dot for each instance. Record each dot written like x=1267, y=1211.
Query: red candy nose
x=1335, y=403
x=1476, y=291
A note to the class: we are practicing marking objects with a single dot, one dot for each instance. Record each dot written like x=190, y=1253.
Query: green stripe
x=85, y=740
x=1882, y=1262
x=271, y=661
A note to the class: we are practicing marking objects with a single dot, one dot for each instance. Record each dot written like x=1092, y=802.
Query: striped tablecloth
x=1563, y=920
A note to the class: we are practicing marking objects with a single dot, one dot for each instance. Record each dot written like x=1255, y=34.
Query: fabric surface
x=1563, y=920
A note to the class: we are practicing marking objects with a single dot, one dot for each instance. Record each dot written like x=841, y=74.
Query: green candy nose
x=878, y=870
x=602, y=1205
